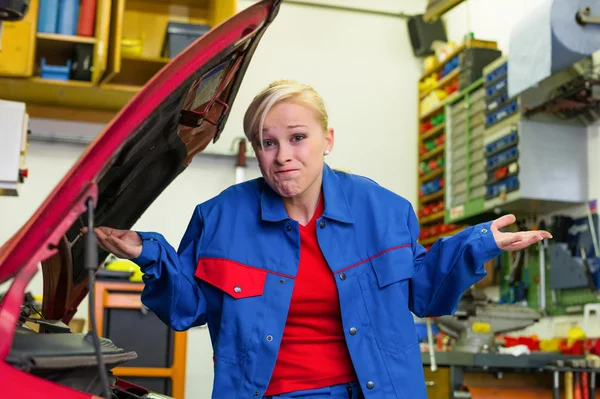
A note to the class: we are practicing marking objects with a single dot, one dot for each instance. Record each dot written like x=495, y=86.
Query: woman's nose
x=284, y=154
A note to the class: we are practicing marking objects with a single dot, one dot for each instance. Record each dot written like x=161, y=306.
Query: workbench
x=455, y=370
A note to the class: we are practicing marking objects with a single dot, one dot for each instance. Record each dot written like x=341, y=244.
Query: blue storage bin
x=68, y=17
x=47, y=16
x=55, y=72
x=180, y=35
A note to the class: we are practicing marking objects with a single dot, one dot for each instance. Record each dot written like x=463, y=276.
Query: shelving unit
x=466, y=172
x=507, y=163
x=438, y=87
x=115, y=76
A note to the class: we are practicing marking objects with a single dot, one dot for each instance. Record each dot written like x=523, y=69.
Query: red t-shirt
x=313, y=351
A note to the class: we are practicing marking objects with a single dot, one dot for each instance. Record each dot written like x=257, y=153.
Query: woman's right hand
x=124, y=244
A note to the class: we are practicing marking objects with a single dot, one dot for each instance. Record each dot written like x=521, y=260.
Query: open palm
x=125, y=244
x=508, y=241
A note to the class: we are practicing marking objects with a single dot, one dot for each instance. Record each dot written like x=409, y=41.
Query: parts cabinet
x=122, y=55
x=121, y=317
x=498, y=161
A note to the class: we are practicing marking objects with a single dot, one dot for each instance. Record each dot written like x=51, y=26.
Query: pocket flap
x=236, y=279
x=394, y=265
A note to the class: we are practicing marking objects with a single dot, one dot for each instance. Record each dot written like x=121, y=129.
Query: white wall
x=362, y=65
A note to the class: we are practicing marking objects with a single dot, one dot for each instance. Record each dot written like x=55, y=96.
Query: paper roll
x=549, y=40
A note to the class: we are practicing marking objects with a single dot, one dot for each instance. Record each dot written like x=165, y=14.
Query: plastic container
x=131, y=47
x=47, y=16
x=180, y=35
x=87, y=18
x=68, y=16
x=55, y=72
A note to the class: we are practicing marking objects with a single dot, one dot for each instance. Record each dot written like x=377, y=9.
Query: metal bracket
x=583, y=17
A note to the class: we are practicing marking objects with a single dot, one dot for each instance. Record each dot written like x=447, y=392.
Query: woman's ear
x=329, y=139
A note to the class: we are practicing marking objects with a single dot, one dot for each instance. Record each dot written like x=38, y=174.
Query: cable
x=91, y=262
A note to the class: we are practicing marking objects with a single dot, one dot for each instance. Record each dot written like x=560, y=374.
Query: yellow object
x=575, y=334
x=430, y=62
x=481, y=328
x=131, y=47
x=550, y=345
x=17, y=44
x=124, y=265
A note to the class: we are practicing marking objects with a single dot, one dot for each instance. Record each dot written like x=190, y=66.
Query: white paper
x=549, y=40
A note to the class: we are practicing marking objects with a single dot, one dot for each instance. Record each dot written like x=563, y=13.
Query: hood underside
x=148, y=144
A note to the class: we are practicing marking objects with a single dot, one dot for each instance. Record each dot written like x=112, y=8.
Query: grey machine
x=474, y=307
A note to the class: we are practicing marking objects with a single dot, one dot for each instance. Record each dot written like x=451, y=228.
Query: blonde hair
x=277, y=91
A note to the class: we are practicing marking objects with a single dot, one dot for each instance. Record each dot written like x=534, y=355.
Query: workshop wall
x=493, y=20
x=363, y=66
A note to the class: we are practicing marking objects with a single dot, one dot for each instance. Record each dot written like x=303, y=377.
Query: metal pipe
x=433, y=364
x=542, y=299
x=349, y=9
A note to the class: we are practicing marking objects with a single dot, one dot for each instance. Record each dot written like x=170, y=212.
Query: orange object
x=87, y=17
x=577, y=386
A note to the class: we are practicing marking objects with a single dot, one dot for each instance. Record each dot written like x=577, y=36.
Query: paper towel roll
x=549, y=40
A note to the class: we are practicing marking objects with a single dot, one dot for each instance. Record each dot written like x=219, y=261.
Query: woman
x=307, y=277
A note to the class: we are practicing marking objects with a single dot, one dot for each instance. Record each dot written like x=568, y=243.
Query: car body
x=140, y=152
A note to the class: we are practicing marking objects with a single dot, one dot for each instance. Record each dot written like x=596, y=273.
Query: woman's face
x=294, y=143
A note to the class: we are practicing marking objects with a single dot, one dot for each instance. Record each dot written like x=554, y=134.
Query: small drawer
x=478, y=106
x=478, y=180
x=478, y=94
x=477, y=156
x=478, y=192
x=478, y=166
x=458, y=153
x=459, y=188
x=459, y=164
x=458, y=176
x=477, y=131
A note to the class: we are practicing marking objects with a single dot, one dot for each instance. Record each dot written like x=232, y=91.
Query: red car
x=149, y=143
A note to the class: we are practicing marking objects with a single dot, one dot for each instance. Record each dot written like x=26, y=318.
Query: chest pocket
x=234, y=293
x=386, y=291
x=233, y=278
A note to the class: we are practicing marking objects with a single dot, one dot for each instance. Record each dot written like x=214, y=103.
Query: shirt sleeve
x=171, y=290
x=449, y=268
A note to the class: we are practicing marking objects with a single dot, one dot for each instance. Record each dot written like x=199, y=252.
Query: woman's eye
x=298, y=137
x=267, y=143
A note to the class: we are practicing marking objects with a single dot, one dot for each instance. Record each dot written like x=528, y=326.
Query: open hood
x=146, y=146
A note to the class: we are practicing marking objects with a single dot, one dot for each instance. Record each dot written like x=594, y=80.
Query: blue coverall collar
x=336, y=203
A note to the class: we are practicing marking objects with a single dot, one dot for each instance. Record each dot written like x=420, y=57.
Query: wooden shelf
x=432, y=197
x=432, y=132
x=431, y=175
x=65, y=38
x=74, y=94
x=431, y=112
x=116, y=77
x=432, y=218
x=151, y=60
x=436, y=151
x=431, y=240
x=63, y=83
x=441, y=84
x=470, y=43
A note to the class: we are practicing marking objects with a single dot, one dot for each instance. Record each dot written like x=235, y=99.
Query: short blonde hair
x=277, y=91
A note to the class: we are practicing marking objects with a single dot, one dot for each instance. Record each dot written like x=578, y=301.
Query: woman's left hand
x=515, y=241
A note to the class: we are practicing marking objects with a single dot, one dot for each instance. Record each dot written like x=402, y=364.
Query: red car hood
x=147, y=145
